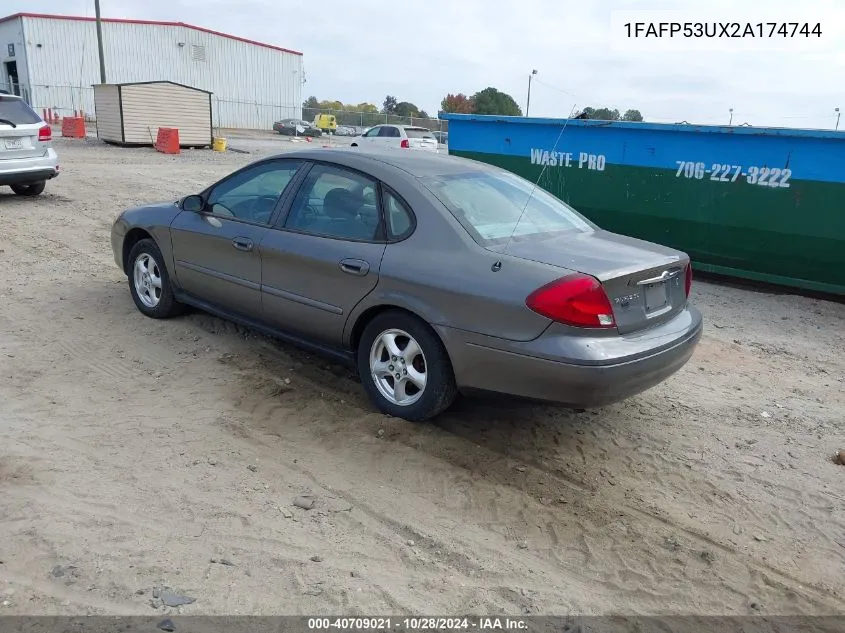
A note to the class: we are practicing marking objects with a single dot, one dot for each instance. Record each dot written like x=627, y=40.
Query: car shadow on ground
x=540, y=448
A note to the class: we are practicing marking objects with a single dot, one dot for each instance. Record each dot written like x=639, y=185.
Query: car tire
x=32, y=189
x=149, y=282
x=430, y=365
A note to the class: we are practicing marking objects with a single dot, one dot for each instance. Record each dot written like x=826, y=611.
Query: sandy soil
x=137, y=455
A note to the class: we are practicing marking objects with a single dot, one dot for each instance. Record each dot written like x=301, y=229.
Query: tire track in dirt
x=600, y=515
x=535, y=479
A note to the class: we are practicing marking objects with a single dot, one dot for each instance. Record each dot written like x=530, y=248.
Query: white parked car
x=27, y=158
x=400, y=136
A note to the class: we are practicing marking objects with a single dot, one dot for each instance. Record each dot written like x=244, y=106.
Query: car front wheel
x=149, y=281
x=405, y=368
x=32, y=189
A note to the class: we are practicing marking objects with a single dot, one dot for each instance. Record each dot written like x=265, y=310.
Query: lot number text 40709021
x=719, y=172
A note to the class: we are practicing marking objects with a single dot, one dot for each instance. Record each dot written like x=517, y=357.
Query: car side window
x=390, y=131
x=336, y=202
x=374, y=132
x=252, y=194
x=400, y=220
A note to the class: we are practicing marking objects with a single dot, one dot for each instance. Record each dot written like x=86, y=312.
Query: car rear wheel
x=32, y=189
x=405, y=368
x=149, y=282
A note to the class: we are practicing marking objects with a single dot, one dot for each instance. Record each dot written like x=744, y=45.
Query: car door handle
x=243, y=243
x=355, y=267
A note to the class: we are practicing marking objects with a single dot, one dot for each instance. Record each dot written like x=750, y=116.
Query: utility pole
x=100, y=42
x=732, y=116
x=528, y=102
x=838, y=113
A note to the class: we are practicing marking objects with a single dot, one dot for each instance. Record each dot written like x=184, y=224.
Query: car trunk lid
x=421, y=138
x=20, y=142
x=644, y=282
x=19, y=125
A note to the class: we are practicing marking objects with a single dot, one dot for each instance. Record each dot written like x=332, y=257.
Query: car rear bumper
x=576, y=371
x=24, y=171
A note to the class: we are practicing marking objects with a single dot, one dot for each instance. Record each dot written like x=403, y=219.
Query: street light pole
x=528, y=101
x=730, y=122
x=838, y=113
x=100, y=42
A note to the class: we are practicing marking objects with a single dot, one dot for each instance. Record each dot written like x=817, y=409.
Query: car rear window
x=417, y=132
x=16, y=111
x=493, y=206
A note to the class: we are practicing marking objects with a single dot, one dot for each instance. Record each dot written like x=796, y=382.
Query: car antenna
x=537, y=183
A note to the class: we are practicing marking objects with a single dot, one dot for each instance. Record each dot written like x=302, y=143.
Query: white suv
x=27, y=157
x=400, y=136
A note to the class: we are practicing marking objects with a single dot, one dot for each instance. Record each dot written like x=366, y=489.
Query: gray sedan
x=431, y=274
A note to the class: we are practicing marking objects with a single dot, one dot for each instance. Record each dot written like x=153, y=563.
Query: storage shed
x=131, y=113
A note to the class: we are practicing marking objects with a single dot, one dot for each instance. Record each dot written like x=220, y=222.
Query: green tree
x=423, y=114
x=458, y=103
x=606, y=114
x=311, y=102
x=389, y=105
x=601, y=114
x=492, y=101
x=632, y=115
x=407, y=109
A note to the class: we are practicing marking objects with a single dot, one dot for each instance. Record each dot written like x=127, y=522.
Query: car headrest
x=341, y=204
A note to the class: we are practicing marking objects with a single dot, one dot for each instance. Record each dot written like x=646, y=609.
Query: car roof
x=417, y=164
x=9, y=95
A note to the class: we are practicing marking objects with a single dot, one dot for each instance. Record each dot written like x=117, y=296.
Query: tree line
x=488, y=101
x=363, y=114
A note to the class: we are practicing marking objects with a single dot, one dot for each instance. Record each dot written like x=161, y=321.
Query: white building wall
x=252, y=85
x=11, y=32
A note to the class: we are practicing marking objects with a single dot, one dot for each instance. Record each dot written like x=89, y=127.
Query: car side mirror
x=193, y=203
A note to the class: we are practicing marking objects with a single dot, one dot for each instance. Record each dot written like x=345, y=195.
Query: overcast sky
x=361, y=50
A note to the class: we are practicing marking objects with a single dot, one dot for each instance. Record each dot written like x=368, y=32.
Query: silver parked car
x=432, y=274
x=27, y=157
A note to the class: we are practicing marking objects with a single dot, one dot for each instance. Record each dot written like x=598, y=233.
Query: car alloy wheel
x=398, y=367
x=147, y=278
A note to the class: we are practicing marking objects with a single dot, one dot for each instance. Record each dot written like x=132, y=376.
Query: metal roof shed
x=131, y=113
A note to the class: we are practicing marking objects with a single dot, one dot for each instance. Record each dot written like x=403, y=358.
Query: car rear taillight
x=45, y=133
x=688, y=278
x=406, y=144
x=577, y=300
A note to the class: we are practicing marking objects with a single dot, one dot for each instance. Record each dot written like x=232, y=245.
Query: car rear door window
x=17, y=112
x=252, y=194
x=400, y=220
x=336, y=202
x=389, y=131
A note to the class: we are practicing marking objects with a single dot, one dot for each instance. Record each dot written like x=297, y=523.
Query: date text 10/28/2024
x=417, y=624
x=718, y=172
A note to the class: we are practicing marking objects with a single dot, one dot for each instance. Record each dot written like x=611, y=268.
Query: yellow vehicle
x=326, y=122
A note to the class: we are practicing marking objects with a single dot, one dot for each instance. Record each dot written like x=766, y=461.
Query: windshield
x=490, y=206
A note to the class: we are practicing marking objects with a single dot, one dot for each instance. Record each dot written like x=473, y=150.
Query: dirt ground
x=137, y=455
